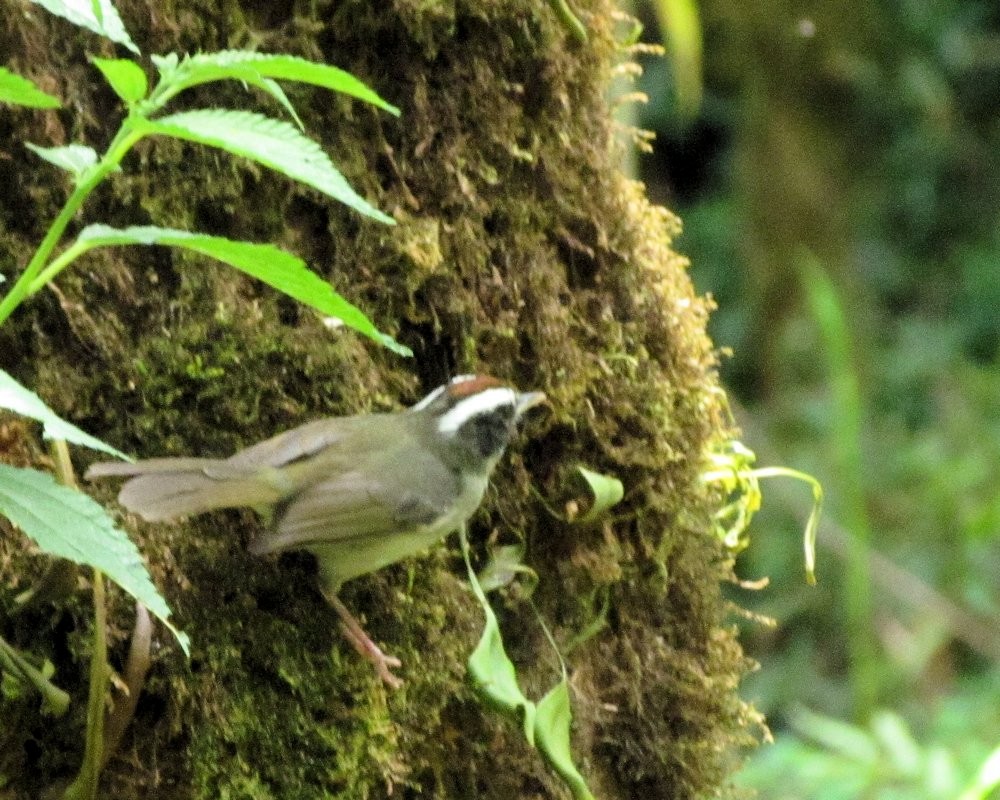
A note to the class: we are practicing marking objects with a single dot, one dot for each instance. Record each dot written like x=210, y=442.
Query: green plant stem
x=84, y=786
x=27, y=284
x=55, y=699
x=569, y=19
x=846, y=402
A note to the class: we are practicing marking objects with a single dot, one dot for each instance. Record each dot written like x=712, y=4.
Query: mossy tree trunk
x=520, y=251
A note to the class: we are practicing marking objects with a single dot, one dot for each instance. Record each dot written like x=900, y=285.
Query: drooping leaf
x=277, y=268
x=552, y=724
x=20, y=91
x=495, y=678
x=125, y=77
x=246, y=65
x=274, y=143
x=546, y=725
x=76, y=159
x=606, y=490
x=69, y=524
x=21, y=400
x=99, y=16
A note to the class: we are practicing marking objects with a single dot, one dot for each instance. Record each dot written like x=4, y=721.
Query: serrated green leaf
x=274, y=143
x=192, y=71
x=104, y=20
x=20, y=91
x=274, y=89
x=69, y=524
x=277, y=268
x=234, y=63
x=606, y=490
x=125, y=77
x=552, y=724
x=23, y=401
x=76, y=159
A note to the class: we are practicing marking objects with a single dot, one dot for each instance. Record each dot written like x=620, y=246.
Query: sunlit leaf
x=277, y=268
x=69, y=524
x=125, y=77
x=21, y=400
x=104, y=20
x=246, y=65
x=274, y=143
x=76, y=159
x=20, y=91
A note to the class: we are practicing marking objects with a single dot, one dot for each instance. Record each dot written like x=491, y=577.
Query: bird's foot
x=360, y=641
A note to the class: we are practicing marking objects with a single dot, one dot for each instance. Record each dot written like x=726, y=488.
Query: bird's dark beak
x=527, y=400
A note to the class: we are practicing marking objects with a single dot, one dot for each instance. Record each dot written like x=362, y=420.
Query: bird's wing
x=349, y=506
x=296, y=444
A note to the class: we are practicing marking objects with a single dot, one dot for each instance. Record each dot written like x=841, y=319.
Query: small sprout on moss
x=607, y=491
x=732, y=467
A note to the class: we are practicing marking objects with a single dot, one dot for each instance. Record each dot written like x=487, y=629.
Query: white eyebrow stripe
x=479, y=403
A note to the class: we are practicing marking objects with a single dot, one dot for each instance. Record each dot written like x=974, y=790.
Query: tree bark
x=520, y=251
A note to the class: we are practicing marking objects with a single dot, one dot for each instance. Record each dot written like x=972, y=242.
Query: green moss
x=520, y=251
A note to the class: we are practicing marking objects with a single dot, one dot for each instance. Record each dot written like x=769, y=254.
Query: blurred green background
x=839, y=186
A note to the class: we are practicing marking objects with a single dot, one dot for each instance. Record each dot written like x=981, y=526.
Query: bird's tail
x=165, y=488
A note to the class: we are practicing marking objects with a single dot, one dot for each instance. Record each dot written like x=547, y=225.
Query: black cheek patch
x=490, y=433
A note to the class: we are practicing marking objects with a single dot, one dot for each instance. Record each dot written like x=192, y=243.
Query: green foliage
x=21, y=400
x=20, y=91
x=277, y=268
x=681, y=31
x=68, y=524
x=732, y=468
x=16, y=670
x=255, y=68
x=860, y=132
x=606, y=490
x=951, y=756
x=65, y=523
x=546, y=725
x=99, y=16
x=270, y=142
x=77, y=159
x=125, y=77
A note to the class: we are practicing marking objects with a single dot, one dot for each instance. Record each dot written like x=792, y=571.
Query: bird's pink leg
x=361, y=642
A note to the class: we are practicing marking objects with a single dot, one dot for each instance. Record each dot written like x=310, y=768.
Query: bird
x=358, y=492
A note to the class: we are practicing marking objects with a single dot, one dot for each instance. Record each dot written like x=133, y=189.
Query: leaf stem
x=27, y=284
x=84, y=786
